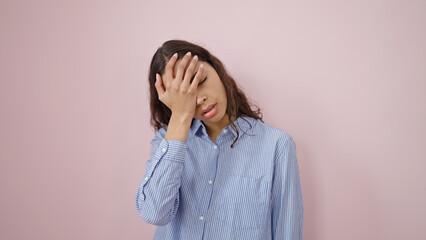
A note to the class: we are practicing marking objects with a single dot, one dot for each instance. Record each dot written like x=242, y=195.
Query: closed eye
x=192, y=79
x=202, y=81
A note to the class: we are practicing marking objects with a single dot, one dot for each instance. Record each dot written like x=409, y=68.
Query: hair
x=237, y=103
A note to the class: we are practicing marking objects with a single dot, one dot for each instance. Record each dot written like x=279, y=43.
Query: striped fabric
x=200, y=189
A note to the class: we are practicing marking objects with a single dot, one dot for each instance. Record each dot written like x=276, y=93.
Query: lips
x=208, y=108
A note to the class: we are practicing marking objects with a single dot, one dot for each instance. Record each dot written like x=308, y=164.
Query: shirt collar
x=243, y=124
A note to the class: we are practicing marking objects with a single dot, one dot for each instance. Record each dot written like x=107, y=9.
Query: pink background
x=347, y=79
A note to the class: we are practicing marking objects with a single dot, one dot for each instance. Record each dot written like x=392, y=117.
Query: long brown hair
x=238, y=104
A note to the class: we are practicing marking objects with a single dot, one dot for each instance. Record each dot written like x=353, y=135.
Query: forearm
x=157, y=197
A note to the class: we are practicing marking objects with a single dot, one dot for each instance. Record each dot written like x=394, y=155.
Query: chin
x=216, y=118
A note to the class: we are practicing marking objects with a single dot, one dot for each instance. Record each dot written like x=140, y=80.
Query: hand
x=178, y=93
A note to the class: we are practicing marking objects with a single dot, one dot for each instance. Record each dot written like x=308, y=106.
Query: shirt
x=200, y=189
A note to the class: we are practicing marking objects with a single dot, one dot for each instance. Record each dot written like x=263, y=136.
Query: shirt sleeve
x=157, y=197
x=287, y=203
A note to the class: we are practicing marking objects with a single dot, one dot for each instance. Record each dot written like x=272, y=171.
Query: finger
x=170, y=66
x=182, y=66
x=197, y=77
x=189, y=71
x=159, y=85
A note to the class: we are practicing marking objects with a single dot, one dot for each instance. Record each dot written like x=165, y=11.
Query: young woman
x=216, y=170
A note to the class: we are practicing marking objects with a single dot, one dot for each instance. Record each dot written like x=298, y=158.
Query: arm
x=287, y=204
x=157, y=198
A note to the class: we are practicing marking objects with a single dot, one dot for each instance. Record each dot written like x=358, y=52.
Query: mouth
x=208, y=108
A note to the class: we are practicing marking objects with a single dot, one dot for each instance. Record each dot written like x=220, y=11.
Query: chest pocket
x=244, y=202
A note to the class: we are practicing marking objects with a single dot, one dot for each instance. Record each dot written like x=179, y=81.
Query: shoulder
x=283, y=143
x=273, y=141
x=278, y=135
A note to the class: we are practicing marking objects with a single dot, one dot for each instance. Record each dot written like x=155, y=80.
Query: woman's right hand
x=178, y=93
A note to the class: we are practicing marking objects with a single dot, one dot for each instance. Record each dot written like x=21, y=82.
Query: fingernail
x=201, y=66
x=156, y=76
x=188, y=53
x=195, y=57
x=175, y=55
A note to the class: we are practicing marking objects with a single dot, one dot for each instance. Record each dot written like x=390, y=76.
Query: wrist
x=178, y=127
x=181, y=118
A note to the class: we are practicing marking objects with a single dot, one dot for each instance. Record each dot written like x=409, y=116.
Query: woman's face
x=210, y=92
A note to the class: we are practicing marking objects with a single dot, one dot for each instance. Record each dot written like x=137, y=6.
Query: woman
x=216, y=171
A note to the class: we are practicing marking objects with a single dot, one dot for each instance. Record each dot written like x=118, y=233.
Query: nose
x=201, y=99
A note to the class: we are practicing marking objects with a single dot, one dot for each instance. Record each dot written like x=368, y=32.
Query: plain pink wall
x=347, y=79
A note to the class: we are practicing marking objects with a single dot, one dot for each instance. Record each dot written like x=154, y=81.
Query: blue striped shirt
x=200, y=189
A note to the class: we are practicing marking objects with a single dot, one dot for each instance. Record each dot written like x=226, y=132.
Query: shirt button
x=225, y=131
x=164, y=149
x=210, y=182
x=201, y=218
x=215, y=147
x=146, y=178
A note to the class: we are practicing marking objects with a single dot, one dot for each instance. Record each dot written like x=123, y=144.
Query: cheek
x=223, y=96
